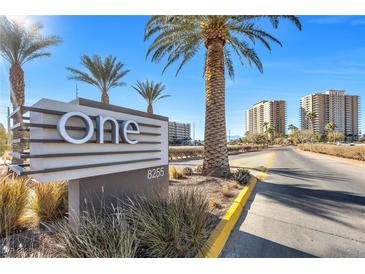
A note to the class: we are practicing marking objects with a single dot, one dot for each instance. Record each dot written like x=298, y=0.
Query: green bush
x=13, y=203
x=176, y=227
x=50, y=200
x=241, y=176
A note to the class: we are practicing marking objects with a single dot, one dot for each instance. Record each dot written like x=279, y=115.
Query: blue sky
x=329, y=53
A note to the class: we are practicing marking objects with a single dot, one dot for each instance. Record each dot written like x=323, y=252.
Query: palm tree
x=181, y=37
x=151, y=92
x=331, y=127
x=310, y=117
x=102, y=74
x=271, y=132
x=266, y=126
x=19, y=44
x=292, y=128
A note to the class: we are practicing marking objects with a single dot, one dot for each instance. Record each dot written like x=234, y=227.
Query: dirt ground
x=219, y=192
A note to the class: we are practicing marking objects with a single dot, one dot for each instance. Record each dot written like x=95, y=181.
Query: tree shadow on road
x=242, y=244
x=261, y=248
x=329, y=204
x=304, y=175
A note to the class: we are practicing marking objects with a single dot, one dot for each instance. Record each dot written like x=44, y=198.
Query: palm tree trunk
x=16, y=76
x=215, y=144
x=104, y=97
x=150, y=108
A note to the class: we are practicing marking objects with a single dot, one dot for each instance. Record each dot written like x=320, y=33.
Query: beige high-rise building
x=331, y=106
x=179, y=132
x=271, y=112
x=352, y=117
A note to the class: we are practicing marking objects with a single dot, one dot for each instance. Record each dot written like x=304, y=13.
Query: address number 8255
x=154, y=173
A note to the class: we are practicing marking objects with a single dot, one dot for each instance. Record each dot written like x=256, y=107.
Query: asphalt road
x=307, y=205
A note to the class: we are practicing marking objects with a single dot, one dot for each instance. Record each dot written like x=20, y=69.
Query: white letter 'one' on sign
x=61, y=126
x=125, y=131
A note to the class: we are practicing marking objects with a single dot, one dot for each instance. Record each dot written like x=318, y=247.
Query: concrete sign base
x=94, y=193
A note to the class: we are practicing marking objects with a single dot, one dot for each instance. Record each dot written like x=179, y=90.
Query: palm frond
x=20, y=43
x=104, y=74
x=179, y=38
x=150, y=91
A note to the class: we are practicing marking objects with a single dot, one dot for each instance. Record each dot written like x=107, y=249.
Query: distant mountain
x=233, y=137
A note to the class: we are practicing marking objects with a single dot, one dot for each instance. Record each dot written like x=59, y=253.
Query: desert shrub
x=226, y=192
x=180, y=174
x=176, y=227
x=50, y=200
x=199, y=169
x=100, y=235
x=241, y=176
x=187, y=171
x=173, y=173
x=351, y=152
x=13, y=203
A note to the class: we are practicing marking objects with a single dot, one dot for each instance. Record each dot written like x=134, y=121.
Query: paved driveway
x=308, y=205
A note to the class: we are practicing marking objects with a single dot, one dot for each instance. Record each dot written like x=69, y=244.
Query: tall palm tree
x=331, y=127
x=151, y=92
x=181, y=37
x=266, y=126
x=102, y=74
x=19, y=44
x=310, y=117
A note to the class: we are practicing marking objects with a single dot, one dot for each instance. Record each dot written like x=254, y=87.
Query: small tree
x=331, y=128
x=271, y=132
x=4, y=137
x=292, y=128
x=151, y=92
x=303, y=136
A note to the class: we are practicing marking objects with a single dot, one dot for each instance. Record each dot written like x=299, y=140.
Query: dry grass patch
x=175, y=173
x=184, y=152
x=13, y=203
x=50, y=201
x=234, y=185
x=226, y=192
x=214, y=203
x=350, y=152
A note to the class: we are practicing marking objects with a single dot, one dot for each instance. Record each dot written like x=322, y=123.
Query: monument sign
x=103, y=151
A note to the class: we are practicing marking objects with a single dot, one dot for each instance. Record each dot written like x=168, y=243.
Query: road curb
x=220, y=234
